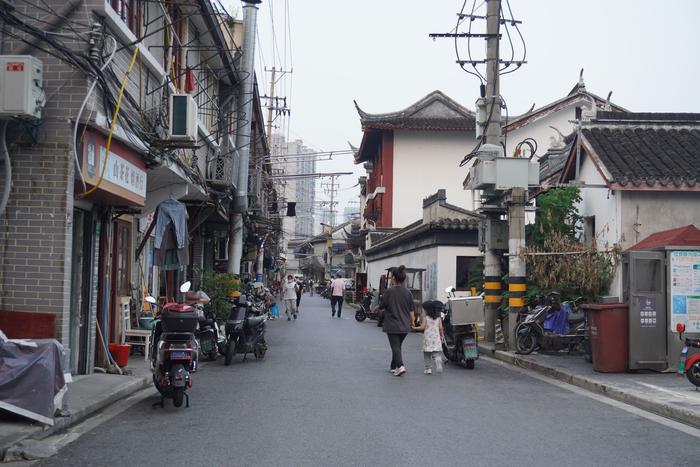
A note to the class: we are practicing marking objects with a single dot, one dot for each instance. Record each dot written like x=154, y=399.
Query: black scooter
x=365, y=310
x=208, y=336
x=245, y=333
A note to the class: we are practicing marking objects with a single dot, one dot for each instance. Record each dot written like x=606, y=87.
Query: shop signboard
x=685, y=289
x=125, y=173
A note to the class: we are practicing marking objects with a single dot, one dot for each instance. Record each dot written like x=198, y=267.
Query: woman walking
x=397, y=305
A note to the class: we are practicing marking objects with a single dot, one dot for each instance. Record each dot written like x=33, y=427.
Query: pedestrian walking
x=300, y=290
x=290, y=297
x=311, y=287
x=337, y=291
x=396, y=306
x=433, y=332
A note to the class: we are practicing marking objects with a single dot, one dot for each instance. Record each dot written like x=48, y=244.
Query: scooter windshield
x=237, y=313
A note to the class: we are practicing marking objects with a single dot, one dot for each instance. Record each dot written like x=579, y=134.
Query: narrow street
x=323, y=396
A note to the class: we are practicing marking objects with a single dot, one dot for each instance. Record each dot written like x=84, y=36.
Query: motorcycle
x=245, y=333
x=460, y=317
x=366, y=310
x=174, y=350
x=553, y=325
x=208, y=336
x=689, y=363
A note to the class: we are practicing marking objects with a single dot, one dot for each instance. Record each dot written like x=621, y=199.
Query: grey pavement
x=323, y=396
x=668, y=394
x=85, y=396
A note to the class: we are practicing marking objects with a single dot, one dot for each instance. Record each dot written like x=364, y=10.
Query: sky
x=378, y=52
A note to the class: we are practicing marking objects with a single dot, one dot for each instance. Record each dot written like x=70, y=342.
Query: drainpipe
x=243, y=135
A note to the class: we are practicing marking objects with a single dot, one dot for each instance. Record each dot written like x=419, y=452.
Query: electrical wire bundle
x=506, y=66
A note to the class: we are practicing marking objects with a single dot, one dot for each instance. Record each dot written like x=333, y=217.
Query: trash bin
x=609, y=336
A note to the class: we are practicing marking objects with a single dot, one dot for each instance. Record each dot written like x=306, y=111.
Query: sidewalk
x=86, y=395
x=667, y=394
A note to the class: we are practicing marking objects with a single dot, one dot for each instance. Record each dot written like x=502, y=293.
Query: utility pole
x=515, y=198
x=243, y=137
x=331, y=191
x=273, y=102
x=492, y=260
x=273, y=72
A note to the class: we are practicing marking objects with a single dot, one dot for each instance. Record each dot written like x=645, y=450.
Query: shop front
x=104, y=231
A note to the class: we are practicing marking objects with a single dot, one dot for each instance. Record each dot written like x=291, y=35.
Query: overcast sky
x=378, y=52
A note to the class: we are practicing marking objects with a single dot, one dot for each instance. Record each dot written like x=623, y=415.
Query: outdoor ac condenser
x=183, y=118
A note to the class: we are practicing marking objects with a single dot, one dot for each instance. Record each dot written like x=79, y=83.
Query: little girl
x=432, y=336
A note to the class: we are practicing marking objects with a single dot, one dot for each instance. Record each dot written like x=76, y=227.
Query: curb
x=63, y=423
x=664, y=410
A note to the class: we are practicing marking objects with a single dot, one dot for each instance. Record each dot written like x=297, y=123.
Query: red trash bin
x=609, y=336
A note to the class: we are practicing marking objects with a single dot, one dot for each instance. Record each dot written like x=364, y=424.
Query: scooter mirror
x=184, y=288
x=680, y=327
x=450, y=289
x=150, y=299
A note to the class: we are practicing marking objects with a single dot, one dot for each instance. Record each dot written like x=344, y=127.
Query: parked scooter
x=461, y=330
x=366, y=310
x=552, y=325
x=245, y=333
x=174, y=349
x=689, y=363
x=208, y=336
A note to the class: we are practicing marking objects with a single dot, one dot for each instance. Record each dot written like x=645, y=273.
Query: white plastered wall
x=425, y=161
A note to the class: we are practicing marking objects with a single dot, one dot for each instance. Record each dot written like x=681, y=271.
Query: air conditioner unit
x=183, y=118
x=21, y=94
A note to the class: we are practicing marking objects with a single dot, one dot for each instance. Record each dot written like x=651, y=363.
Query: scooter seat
x=255, y=321
x=206, y=322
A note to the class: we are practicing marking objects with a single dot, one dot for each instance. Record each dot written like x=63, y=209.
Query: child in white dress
x=432, y=336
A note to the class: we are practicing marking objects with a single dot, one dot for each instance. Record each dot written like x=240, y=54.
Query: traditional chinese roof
x=643, y=151
x=434, y=112
x=579, y=93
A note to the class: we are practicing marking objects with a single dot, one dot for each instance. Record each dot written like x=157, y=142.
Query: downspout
x=243, y=135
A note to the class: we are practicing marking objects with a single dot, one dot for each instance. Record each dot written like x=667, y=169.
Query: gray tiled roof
x=435, y=111
x=648, y=149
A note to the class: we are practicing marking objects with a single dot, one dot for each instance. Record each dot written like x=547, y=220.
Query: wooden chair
x=134, y=337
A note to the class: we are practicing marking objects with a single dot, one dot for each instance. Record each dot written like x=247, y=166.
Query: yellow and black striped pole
x=516, y=294
x=492, y=290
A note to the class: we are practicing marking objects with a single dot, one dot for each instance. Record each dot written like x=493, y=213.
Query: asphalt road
x=323, y=397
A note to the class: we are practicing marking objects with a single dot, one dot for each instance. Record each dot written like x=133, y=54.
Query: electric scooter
x=689, y=363
x=174, y=350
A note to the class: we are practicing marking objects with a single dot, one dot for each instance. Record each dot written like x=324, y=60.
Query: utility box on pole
x=504, y=173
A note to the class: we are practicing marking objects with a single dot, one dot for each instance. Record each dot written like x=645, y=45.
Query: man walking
x=290, y=297
x=300, y=290
x=337, y=291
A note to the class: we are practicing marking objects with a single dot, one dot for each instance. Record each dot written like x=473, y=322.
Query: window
x=206, y=97
x=131, y=12
x=467, y=275
x=222, y=249
x=588, y=230
x=174, y=45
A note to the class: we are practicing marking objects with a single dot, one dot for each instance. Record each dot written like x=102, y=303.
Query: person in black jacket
x=397, y=306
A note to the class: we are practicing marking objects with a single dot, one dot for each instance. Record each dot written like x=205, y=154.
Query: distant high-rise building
x=302, y=191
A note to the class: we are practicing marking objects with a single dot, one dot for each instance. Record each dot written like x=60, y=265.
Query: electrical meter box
x=504, y=173
x=21, y=93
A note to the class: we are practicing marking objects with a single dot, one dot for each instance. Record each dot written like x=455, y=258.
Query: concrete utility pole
x=243, y=136
x=516, y=265
x=273, y=73
x=492, y=260
x=331, y=191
